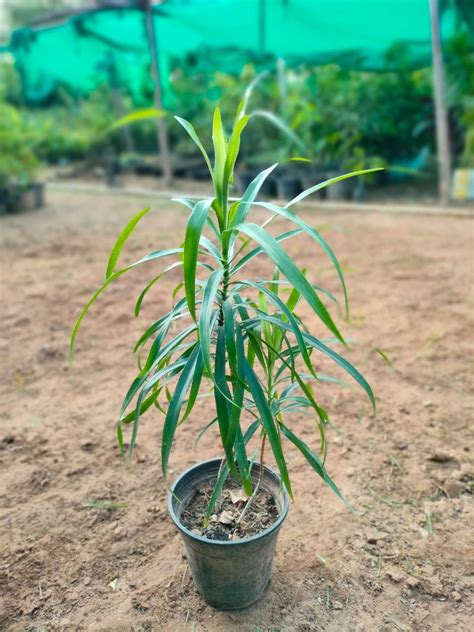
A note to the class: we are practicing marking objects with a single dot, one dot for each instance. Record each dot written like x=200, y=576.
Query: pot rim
x=194, y=536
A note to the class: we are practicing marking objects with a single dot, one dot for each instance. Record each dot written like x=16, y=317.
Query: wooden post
x=442, y=132
x=161, y=126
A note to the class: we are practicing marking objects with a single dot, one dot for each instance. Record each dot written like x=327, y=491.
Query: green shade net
x=110, y=45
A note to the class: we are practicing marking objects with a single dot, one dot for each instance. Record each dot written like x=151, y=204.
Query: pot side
x=229, y=575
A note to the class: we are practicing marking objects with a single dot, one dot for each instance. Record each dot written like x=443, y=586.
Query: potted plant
x=18, y=163
x=241, y=337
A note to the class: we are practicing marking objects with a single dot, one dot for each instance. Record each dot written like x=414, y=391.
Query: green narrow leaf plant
x=232, y=335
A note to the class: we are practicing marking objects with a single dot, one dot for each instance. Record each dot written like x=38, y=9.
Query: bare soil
x=86, y=543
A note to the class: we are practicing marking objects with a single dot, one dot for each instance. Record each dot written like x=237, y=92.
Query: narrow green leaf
x=192, y=133
x=326, y=183
x=138, y=115
x=220, y=150
x=291, y=319
x=233, y=149
x=250, y=196
x=177, y=311
x=320, y=346
x=203, y=431
x=204, y=325
x=156, y=362
x=153, y=255
x=269, y=424
x=196, y=383
x=222, y=399
x=124, y=235
x=314, y=461
x=145, y=405
x=279, y=124
x=177, y=400
x=257, y=251
x=315, y=235
x=120, y=442
x=255, y=348
x=291, y=272
x=149, y=285
x=194, y=229
x=171, y=369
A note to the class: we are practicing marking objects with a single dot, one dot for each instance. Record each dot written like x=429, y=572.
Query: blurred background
x=352, y=79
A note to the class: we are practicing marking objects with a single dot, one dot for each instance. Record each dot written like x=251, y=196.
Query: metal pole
x=161, y=126
x=442, y=132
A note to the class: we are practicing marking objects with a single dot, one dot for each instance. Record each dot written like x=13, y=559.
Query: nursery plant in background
x=18, y=164
x=240, y=337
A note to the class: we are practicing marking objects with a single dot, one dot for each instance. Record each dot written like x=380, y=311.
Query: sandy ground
x=401, y=562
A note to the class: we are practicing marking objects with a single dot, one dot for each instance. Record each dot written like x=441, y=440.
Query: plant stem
x=257, y=486
x=225, y=285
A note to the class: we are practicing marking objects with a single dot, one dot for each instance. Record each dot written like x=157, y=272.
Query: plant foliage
x=240, y=334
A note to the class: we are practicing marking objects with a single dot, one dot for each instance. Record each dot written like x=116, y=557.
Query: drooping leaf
x=315, y=235
x=281, y=125
x=204, y=326
x=320, y=346
x=177, y=400
x=259, y=250
x=249, y=196
x=124, y=235
x=223, y=399
x=149, y=285
x=194, y=228
x=150, y=257
x=291, y=272
x=326, y=183
x=314, y=461
x=291, y=320
x=192, y=133
x=269, y=424
x=138, y=115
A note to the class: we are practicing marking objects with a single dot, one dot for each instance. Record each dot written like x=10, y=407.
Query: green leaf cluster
x=230, y=335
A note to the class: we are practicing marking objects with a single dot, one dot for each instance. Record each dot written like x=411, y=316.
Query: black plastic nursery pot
x=234, y=574
x=288, y=187
x=341, y=190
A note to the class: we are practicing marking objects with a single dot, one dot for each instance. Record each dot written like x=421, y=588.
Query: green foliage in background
x=17, y=160
x=74, y=130
x=345, y=119
x=460, y=88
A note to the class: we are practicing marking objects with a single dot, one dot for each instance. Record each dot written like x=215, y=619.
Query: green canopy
x=110, y=44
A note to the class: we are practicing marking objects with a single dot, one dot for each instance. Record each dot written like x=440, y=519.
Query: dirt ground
x=86, y=543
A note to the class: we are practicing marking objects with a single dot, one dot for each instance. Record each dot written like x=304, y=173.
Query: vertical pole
x=162, y=129
x=442, y=132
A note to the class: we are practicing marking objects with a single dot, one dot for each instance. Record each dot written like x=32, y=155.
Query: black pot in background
x=38, y=194
x=342, y=190
x=112, y=172
x=268, y=188
x=310, y=179
x=196, y=173
x=244, y=178
x=229, y=575
x=16, y=198
x=288, y=187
